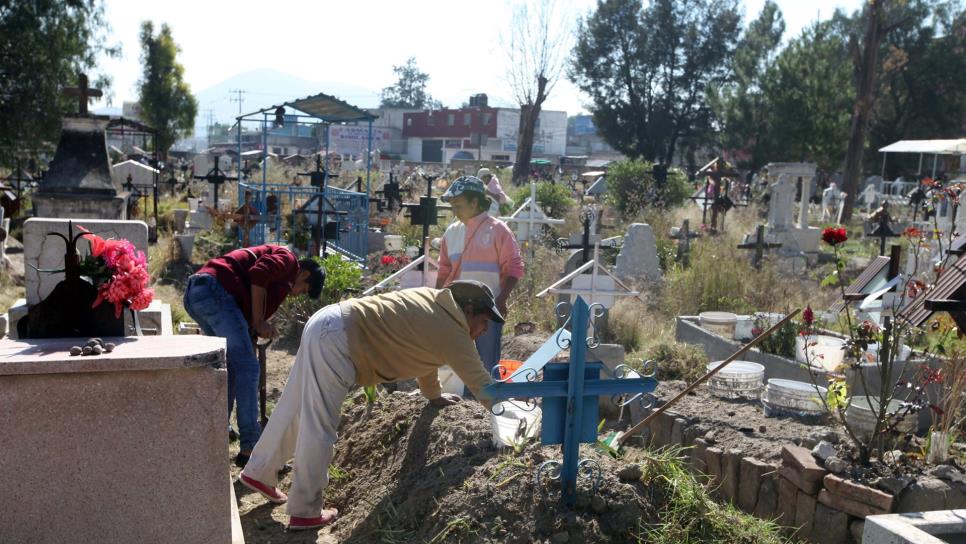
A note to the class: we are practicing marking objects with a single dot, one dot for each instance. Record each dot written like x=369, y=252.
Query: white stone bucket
x=823, y=351
x=450, y=381
x=721, y=323
x=514, y=424
x=394, y=242
x=861, y=418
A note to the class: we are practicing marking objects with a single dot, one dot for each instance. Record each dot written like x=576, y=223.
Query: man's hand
x=265, y=330
x=446, y=399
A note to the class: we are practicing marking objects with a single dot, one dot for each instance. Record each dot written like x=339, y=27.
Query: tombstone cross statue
x=83, y=93
x=759, y=245
x=216, y=177
x=781, y=203
x=570, y=399
x=683, y=235
x=883, y=226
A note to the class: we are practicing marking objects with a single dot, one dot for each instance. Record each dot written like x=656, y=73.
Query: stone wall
x=799, y=494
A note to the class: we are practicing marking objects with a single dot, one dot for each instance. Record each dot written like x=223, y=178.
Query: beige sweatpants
x=305, y=421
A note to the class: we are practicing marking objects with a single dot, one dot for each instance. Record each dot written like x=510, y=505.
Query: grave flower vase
x=939, y=442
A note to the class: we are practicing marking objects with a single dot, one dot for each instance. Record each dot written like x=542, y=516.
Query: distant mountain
x=266, y=87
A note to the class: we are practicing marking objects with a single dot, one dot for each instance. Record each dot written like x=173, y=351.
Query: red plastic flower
x=834, y=236
x=808, y=316
x=912, y=232
x=128, y=283
x=388, y=260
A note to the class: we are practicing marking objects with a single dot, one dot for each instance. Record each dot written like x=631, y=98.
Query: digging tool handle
x=636, y=428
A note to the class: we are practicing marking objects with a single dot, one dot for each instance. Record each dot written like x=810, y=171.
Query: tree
x=809, y=95
x=535, y=50
x=648, y=70
x=409, y=90
x=922, y=89
x=166, y=100
x=865, y=61
x=44, y=46
x=741, y=105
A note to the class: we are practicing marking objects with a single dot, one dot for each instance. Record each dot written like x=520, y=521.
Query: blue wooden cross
x=570, y=394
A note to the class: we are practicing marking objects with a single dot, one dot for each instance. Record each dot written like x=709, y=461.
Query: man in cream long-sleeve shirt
x=384, y=338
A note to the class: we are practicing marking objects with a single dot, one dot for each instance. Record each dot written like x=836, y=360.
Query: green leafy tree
x=810, y=95
x=741, y=105
x=922, y=89
x=44, y=46
x=647, y=70
x=631, y=187
x=166, y=100
x=409, y=91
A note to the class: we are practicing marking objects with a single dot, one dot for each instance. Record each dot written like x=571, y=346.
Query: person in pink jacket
x=482, y=248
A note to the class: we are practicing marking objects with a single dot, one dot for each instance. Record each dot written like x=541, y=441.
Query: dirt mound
x=410, y=472
x=522, y=346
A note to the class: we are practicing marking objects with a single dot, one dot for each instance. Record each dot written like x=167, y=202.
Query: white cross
x=528, y=216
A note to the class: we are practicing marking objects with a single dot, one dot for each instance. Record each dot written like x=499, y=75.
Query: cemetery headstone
x=78, y=183
x=638, y=259
x=797, y=240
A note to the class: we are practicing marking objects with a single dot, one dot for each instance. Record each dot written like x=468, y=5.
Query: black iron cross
x=83, y=93
x=19, y=177
x=587, y=217
x=320, y=176
x=883, y=227
x=759, y=245
x=684, y=236
x=391, y=195
x=426, y=213
x=216, y=177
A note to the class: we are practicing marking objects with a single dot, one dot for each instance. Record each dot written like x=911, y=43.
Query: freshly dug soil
x=741, y=424
x=411, y=472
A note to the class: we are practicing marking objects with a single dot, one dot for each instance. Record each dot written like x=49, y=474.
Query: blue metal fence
x=352, y=239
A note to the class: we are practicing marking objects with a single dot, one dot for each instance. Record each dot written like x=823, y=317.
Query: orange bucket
x=508, y=367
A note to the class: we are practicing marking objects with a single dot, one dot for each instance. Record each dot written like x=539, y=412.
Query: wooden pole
x=633, y=430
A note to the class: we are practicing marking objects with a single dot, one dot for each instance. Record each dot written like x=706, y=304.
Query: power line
x=238, y=98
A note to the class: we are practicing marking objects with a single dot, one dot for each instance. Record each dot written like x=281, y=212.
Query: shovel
x=614, y=441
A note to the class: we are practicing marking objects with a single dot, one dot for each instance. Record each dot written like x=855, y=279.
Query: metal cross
x=883, y=227
x=83, y=93
x=588, y=216
x=684, y=236
x=759, y=245
x=426, y=213
x=570, y=398
x=216, y=177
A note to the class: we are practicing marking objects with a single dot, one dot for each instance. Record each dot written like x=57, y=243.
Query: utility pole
x=237, y=98
x=211, y=122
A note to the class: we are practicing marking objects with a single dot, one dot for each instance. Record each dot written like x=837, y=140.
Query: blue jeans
x=217, y=313
x=489, y=346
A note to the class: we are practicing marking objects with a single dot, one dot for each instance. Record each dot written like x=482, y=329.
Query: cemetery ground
x=405, y=471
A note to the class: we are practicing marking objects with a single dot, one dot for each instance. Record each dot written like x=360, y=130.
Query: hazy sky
x=456, y=42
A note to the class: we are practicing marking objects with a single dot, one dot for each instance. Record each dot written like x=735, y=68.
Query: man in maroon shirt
x=233, y=296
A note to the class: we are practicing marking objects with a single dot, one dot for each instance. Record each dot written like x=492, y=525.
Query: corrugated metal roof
x=865, y=282
x=939, y=147
x=325, y=107
x=949, y=286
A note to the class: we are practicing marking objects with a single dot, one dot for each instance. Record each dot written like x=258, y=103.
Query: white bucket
x=744, y=326
x=193, y=204
x=721, y=323
x=861, y=418
x=450, y=381
x=823, y=351
x=514, y=424
x=740, y=379
x=394, y=242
